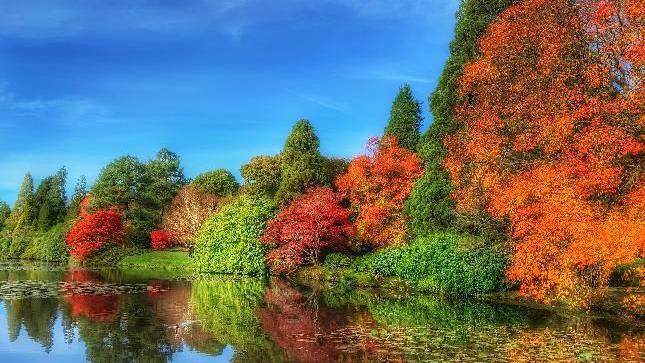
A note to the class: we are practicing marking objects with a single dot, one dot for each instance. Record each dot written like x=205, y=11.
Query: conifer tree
x=302, y=165
x=430, y=207
x=50, y=201
x=405, y=119
x=19, y=216
x=5, y=211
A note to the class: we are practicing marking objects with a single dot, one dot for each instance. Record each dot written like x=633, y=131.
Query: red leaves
x=313, y=222
x=549, y=144
x=93, y=232
x=160, y=239
x=377, y=185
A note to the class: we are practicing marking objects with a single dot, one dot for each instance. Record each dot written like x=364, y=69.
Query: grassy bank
x=158, y=260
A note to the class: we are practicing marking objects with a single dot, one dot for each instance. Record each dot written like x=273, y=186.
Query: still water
x=50, y=313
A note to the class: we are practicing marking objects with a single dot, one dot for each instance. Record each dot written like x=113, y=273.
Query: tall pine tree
x=430, y=207
x=302, y=166
x=80, y=192
x=405, y=119
x=50, y=201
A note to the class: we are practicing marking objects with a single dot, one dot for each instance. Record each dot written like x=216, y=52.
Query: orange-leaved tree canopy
x=551, y=139
x=377, y=184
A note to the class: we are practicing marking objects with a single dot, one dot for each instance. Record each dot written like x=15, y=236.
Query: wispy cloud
x=387, y=73
x=69, y=111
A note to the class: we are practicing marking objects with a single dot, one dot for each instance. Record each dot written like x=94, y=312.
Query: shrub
x=53, y=245
x=337, y=260
x=312, y=223
x=160, y=239
x=219, y=182
x=444, y=263
x=95, y=231
x=229, y=240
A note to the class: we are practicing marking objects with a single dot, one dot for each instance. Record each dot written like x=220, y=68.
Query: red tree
x=313, y=222
x=93, y=232
x=160, y=239
x=551, y=140
x=377, y=185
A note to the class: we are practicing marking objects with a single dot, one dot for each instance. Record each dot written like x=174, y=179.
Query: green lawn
x=166, y=260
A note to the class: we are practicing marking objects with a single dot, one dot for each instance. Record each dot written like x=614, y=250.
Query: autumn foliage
x=187, y=213
x=94, y=231
x=312, y=223
x=377, y=184
x=160, y=239
x=551, y=140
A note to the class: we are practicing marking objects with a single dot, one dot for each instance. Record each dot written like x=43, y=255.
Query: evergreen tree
x=405, y=119
x=21, y=212
x=301, y=166
x=50, y=201
x=5, y=211
x=165, y=176
x=80, y=192
x=430, y=207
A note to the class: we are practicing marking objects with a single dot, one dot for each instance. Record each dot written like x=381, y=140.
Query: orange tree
x=377, y=184
x=552, y=142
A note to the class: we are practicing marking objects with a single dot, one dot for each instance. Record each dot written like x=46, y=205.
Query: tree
x=229, y=240
x=187, y=213
x=302, y=166
x=166, y=176
x=94, y=232
x=50, y=201
x=19, y=216
x=219, y=182
x=430, y=207
x=80, y=192
x=262, y=176
x=377, y=184
x=405, y=119
x=549, y=141
x=313, y=223
x=140, y=190
x=5, y=211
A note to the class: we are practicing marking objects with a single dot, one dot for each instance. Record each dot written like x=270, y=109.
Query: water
x=50, y=313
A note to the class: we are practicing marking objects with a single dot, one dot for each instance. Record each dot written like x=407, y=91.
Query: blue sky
x=217, y=81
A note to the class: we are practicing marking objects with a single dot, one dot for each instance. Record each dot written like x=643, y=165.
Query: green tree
x=302, y=166
x=430, y=207
x=262, y=176
x=405, y=119
x=50, y=201
x=5, y=211
x=21, y=212
x=219, y=182
x=80, y=192
x=165, y=177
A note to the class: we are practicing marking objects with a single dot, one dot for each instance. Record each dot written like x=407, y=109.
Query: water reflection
x=111, y=316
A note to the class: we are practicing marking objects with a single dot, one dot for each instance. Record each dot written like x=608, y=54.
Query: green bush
x=444, y=263
x=228, y=240
x=13, y=245
x=337, y=260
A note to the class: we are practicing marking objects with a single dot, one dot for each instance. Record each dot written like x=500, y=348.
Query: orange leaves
x=546, y=144
x=377, y=184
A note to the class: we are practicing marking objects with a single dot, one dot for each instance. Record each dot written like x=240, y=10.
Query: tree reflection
x=227, y=309
x=36, y=315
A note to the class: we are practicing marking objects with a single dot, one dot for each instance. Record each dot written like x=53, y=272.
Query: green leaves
x=219, y=182
x=405, y=119
x=228, y=241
